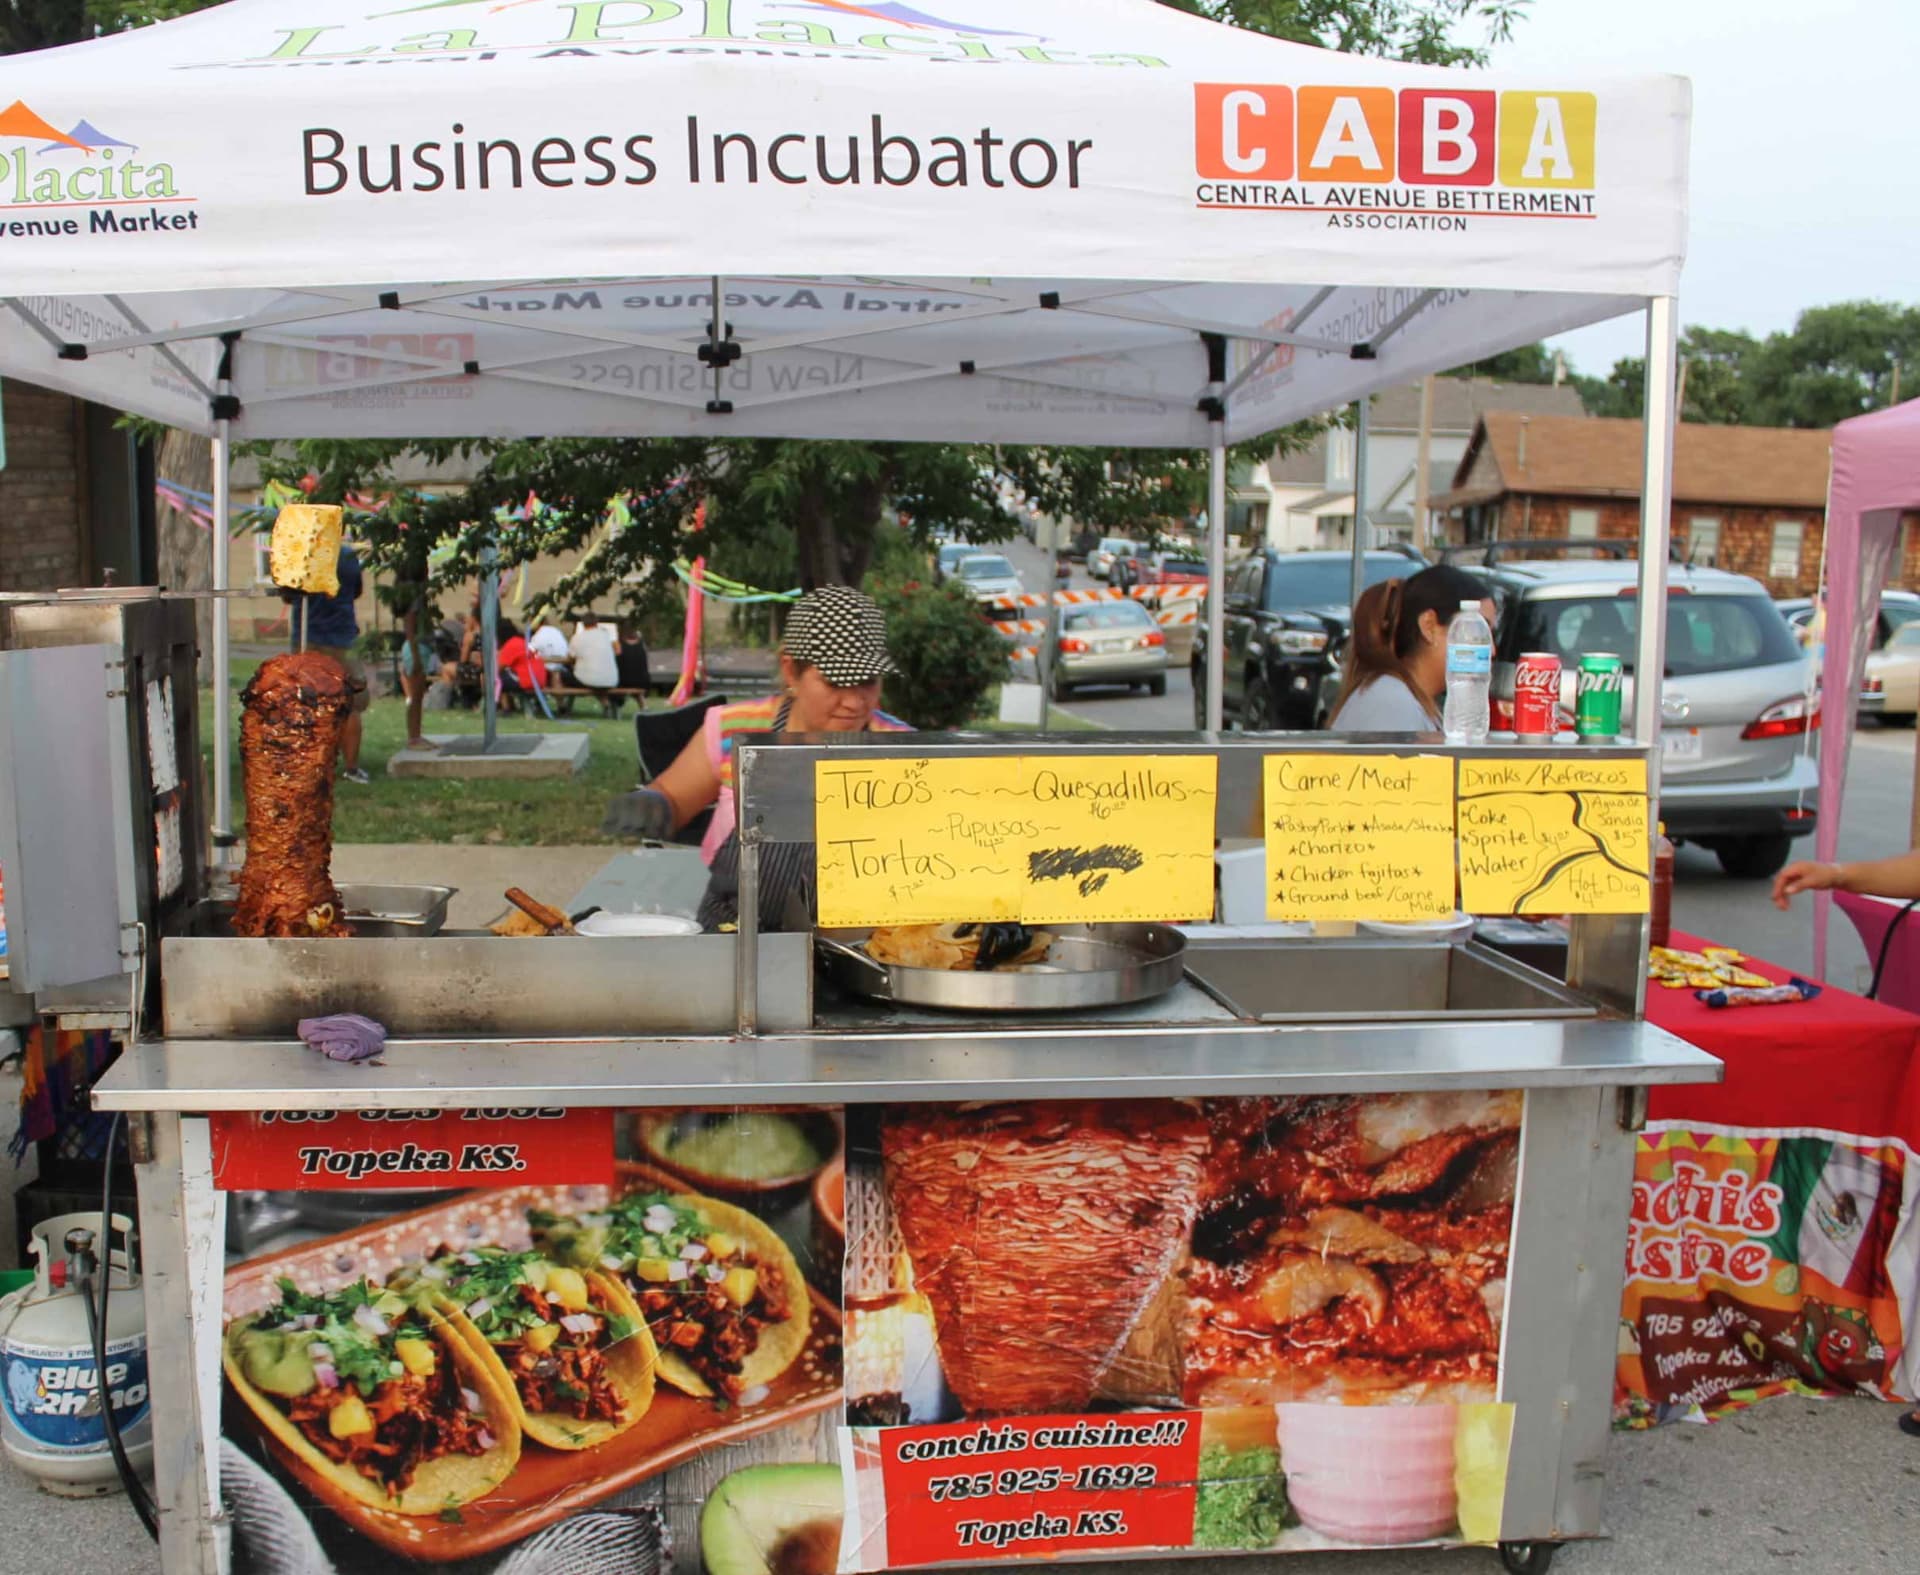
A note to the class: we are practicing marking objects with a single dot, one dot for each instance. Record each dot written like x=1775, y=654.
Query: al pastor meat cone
x=294, y=707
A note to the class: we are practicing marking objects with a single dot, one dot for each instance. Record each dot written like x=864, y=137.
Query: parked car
x=1890, y=687
x=949, y=554
x=1737, y=777
x=1167, y=568
x=988, y=574
x=1286, y=614
x=1100, y=560
x=1897, y=609
x=1108, y=643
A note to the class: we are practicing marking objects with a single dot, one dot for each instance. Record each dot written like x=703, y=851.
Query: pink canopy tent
x=1876, y=478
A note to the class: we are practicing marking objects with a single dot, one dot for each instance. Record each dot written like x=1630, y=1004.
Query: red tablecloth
x=1838, y=1061
x=1775, y=1236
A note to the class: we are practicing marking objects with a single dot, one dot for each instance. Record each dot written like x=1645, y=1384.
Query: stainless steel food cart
x=1324, y=1016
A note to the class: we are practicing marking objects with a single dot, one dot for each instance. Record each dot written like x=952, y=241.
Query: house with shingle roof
x=1749, y=499
x=1305, y=499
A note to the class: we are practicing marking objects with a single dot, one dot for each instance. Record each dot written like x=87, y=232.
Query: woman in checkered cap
x=832, y=659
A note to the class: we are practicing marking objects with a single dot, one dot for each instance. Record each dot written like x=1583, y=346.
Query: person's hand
x=644, y=815
x=1805, y=875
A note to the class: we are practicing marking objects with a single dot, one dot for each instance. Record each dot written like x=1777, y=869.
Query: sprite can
x=1597, y=702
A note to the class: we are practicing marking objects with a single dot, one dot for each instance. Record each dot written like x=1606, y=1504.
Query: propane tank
x=51, y=1425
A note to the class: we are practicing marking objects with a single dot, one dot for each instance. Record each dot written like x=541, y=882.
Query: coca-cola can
x=1536, y=696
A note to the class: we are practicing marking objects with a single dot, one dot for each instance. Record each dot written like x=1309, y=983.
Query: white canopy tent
x=1061, y=221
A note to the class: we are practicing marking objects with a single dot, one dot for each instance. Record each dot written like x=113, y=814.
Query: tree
x=1533, y=363
x=1413, y=30
x=1619, y=393
x=1838, y=361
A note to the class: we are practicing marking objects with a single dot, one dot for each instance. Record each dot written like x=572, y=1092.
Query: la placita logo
x=1374, y=157
x=44, y=170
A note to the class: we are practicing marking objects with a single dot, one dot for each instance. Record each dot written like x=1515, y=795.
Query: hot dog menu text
x=1043, y=839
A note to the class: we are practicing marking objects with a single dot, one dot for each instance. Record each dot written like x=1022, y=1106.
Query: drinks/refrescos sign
x=1047, y=838
x=375, y=1150
x=1554, y=836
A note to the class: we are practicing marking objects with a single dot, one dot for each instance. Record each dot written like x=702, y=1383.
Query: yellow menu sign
x=1359, y=836
x=1554, y=836
x=1059, y=839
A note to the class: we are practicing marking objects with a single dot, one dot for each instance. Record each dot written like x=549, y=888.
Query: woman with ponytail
x=1396, y=668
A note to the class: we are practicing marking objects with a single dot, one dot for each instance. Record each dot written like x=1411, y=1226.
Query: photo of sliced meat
x=1039, y=1234
x=1352, y=1248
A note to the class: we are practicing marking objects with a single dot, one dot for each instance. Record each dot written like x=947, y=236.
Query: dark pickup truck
x=1286, y=617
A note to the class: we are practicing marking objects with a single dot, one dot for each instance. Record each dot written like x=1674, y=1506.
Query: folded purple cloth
x=345, y=1036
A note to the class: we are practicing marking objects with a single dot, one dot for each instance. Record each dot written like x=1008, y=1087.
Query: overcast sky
x=1805, y=175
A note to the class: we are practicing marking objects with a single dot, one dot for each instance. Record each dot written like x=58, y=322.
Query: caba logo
x=43, y=167
x=1361, y=150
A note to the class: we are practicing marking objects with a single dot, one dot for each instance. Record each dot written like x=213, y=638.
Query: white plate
x=1681, y=743
x=1419, y=929
x=636, y=924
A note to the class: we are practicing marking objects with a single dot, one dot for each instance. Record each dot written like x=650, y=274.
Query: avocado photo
x=773, y=1520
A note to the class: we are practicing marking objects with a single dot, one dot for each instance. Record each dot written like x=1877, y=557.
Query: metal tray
x=390, y=912
x=1088, y=965
x=396, y=910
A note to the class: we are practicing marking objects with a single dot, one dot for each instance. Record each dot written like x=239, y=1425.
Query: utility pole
x=1422, y=459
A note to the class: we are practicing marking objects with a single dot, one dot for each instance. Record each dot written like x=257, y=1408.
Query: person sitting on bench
x=596, y=661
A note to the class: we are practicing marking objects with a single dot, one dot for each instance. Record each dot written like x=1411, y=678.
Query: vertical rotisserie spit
x=294, y=707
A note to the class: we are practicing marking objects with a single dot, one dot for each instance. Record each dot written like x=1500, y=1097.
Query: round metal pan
x=1088, y=965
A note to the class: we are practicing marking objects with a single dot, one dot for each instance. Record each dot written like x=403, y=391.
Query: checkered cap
x=840, y=631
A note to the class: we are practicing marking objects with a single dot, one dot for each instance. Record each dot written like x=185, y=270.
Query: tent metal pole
x=222, y=638
x=489, y=644
x=1656, y=507
x=1216, y=576
x=1362, y=430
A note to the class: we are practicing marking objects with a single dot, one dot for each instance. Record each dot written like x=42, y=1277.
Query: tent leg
x=222, y=644
x=1913, y=830
x=489, y=645
x=1656, y=508
x=1362, y=430
x=1216, y=578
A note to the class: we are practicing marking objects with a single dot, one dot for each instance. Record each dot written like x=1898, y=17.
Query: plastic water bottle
x=1469, y=676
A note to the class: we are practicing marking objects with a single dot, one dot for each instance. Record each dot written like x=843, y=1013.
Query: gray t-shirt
x=1386, y=705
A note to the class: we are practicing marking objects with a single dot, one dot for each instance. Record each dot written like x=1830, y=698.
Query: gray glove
x=644, y=815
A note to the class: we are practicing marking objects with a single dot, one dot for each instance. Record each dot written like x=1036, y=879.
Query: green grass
x=549, y=812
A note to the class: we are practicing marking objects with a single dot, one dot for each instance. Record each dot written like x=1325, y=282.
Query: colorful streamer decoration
x=692, y=663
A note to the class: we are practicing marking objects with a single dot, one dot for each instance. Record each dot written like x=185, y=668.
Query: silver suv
x=1739, y=775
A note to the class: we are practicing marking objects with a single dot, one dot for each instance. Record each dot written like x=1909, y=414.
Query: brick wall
x=1746, y=534
x=41, y=531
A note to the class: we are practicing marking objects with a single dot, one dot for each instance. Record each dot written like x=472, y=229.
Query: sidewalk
x=1830, y=1486
x=481, y=872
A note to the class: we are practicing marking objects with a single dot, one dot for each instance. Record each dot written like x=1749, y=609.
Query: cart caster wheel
x=1527, y=1558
